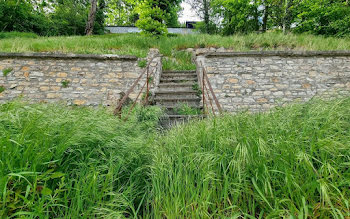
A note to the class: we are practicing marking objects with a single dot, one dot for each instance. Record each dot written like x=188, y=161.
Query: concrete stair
x=175, y=90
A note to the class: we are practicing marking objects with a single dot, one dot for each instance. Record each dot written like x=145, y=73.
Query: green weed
x=7, y=71
x=65, y=83
x=185, y=109
x=142, y=63
x=2, y=89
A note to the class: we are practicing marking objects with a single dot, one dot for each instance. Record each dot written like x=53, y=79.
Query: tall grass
x=73, y=162
x=136, y=44
x=291, y=163
x=70, y=162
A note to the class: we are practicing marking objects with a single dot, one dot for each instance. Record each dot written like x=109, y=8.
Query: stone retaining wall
x=73, y=79
x=258, y=81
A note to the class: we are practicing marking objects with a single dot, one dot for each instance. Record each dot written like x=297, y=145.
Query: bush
x=151, y=20
x=68, y=17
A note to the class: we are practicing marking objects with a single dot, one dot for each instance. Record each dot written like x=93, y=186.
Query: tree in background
x=19, y=15
x=91, y=18
x=152, y=20
x=57, y=17
x=324, y=17
x=238, y=16
x=122, y=12
x=157, y=15
x=204, y=10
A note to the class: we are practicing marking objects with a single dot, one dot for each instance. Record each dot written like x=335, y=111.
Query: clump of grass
x=74, y=162
x=292, y=162
x=2, y=89
x=14, y=34
x=185, y=109
x=142, y=63
x=65, y=83
x=7, y=71
x=196, y=88
x=180, y=60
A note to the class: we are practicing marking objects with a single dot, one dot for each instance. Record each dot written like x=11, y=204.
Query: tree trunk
x=206, y=15
x=264, y=25
x=91, y=19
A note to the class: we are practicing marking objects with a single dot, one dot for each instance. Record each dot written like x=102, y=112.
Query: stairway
x=178, y=96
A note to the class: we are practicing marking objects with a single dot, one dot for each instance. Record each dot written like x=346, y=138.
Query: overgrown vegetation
x=2, y=89
x=185, y=109
x=291, y=163
x=180, y=60
x=73, y=162
x=79, y=162
x=135, y=44
x=49, y=18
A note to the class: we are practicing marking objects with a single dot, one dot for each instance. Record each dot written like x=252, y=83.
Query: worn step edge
x=176, y=92
x=175, y=84
x=179, y=75
x=179, y=71
x=178, y=99
x=177, y=79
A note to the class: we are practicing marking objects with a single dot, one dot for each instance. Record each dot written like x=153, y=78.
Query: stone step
x=176, y=94
x=184, y=84
x=167, y=75
x=177, y=99
x=178, y=80
x=180, y=77
x=176, y=89
x=172, y=103
x=179, y=71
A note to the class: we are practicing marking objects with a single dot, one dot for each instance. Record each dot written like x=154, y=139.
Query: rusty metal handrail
x=204, y=88
x=122, y=101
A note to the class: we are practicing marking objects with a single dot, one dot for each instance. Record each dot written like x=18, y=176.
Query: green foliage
x=324, y=17
x=65, y=83
x=19, y=15
x=151, y=20
x=139, y=45
x=185, y=109
x=239, y=16
x=122, y=12
x=142, y=63
x=202, y=28
x=66, y=17
x=179, y=60
x=290, y=163
x=2, y=89
x=7, y=71
x=196, y=88
x=14, y=34
x=79, y=162
x=74, y=162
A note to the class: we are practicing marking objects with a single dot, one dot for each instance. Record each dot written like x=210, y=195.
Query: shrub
x=151, y=20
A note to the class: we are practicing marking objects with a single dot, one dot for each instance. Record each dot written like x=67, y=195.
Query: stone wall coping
x=68, y=56
x=279, y=53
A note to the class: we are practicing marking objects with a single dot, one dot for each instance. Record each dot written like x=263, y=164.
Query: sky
x=187, y=14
